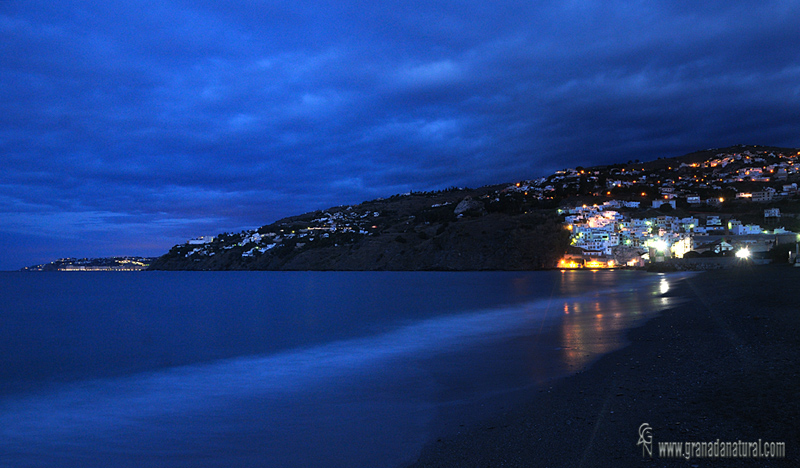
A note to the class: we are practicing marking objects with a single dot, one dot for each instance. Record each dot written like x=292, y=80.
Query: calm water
x=284, y=369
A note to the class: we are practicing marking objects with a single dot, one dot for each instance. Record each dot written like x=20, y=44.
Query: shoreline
x=716, y=367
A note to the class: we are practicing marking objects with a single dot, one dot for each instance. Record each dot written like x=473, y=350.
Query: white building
x=201, y=240
x=681, y=245
x=658, y=203
x=743, y=230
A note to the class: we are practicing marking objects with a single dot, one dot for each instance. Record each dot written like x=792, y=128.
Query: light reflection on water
x=591, y=327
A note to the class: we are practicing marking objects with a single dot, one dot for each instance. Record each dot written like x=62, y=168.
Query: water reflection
x=595, y=325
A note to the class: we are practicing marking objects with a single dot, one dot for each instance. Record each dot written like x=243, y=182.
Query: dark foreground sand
x=724, y=365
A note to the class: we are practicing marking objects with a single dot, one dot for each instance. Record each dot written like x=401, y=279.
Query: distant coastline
x=95, y=264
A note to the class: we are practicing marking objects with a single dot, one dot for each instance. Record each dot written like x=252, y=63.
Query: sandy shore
x=724, y=365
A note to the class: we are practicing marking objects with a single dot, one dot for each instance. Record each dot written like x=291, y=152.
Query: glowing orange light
x=564, y=263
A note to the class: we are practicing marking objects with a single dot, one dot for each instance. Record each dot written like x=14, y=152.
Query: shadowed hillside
x=457, y=229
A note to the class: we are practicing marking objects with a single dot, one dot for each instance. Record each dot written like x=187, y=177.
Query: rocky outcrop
x=469, y=206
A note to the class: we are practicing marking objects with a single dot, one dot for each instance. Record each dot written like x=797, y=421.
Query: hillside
x=457, y=229
x=511, y=226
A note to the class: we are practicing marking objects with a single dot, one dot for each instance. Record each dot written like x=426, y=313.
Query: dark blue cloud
x=128, y=126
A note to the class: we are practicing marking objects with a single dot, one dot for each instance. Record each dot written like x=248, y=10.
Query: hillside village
x=343, y=225
x=488, y=228
x=607, y=238
x=679, y=210
x=712, y=203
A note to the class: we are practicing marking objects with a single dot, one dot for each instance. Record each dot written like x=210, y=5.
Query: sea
x=289, y=369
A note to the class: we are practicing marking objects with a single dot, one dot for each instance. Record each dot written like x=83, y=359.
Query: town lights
x=568, y=264
x=660, y=245
x=743, y=253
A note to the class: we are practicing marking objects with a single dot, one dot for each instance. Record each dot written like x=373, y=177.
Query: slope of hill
x=489, y=228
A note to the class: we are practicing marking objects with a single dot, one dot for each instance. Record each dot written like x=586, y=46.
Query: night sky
x=129, y=126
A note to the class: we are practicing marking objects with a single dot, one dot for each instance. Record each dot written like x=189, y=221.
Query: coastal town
x=725, y=206
x=712, y=207
x=607, y=238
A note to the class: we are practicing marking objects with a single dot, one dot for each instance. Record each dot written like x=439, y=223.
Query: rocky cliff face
x=481, y=229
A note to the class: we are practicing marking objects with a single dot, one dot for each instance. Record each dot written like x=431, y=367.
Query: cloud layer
x=129, y=126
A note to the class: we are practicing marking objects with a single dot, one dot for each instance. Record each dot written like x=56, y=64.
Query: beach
x=721, y=366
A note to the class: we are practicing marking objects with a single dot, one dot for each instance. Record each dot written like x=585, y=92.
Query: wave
x=91, y=417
